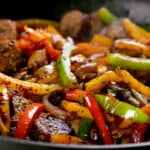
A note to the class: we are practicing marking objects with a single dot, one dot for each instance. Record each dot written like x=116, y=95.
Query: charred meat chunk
x=9, y=52
x=38, y=59
x=45, y=125
x=19, y=103
x=10, y=57
x=83, y=68
x=7, y=29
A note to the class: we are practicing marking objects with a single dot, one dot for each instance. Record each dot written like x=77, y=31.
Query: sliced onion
x=141, y=98
x=54, y=110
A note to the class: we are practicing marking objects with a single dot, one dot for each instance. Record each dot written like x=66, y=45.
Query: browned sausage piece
x=10, y=57
x=75, y=24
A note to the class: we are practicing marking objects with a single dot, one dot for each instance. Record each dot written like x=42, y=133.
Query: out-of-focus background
x=137, y=10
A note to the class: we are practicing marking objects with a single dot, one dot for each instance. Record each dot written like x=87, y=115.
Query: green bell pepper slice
x=122, y=109
x=106, y=16
x=84, y=128
x=64, y=66
x=127, y=62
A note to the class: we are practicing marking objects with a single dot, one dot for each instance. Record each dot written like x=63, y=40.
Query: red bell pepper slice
x=26, y=47
x=138, y=133
x=52, y=52
x=26, y=120
x=98, y=117
x=34, y=40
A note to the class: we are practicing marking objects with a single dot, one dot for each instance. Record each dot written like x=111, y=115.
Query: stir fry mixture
x=84, y=80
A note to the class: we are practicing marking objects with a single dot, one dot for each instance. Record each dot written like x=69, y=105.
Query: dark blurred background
x=51, y=9
x=137, y=10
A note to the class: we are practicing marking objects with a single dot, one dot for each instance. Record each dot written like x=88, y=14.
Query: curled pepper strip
x=26, y=120
x=127, y=62
x=35, y=88
x=101, y=81
x=122, y=109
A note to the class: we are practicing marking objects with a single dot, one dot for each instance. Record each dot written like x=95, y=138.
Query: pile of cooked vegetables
x=85, y=80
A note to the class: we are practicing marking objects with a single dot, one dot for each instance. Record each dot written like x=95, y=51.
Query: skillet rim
x=74, y=146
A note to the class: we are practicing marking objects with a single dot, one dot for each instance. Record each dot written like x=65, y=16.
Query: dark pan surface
x=137, y=10
x=15, y=144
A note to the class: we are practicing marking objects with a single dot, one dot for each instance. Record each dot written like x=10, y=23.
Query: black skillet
x=137, y=10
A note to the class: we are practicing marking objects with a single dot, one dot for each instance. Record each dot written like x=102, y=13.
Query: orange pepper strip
x=88, y=49
x=146, y=108
x=65, y=139
x=75, y=94
x=135, y=32
x=101, y=40
x=80, y=110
